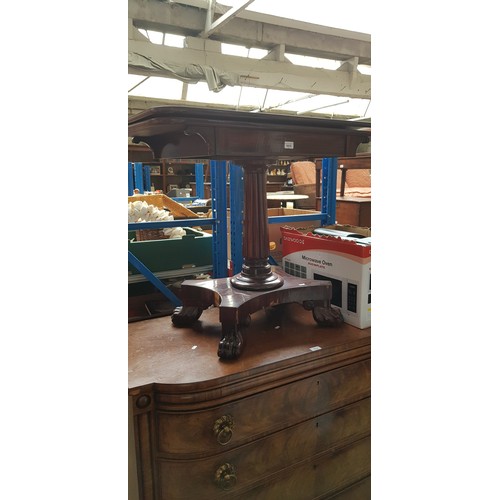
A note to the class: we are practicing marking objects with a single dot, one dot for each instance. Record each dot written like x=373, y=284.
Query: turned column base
x=248, y=283
x=256, y=275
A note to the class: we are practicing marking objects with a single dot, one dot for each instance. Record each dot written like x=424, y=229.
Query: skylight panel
x=313, y=62
x=233, y=50
x=241, y=51
x=155, y=37
x=199, y=92
x=256, y=53
x=159, y=88
x=134, y=80
x=174, y=40
x=160, y=38
x=251, y=96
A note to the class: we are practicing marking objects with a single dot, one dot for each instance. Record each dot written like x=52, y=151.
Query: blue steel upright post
x=138, y=177
x=236, y=212
x=147, y=177
x=199, y=178
x=130, y=178
x=219, y=211
x=329, y=189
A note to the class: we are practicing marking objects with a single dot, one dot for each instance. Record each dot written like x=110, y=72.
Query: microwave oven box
x=343, y=259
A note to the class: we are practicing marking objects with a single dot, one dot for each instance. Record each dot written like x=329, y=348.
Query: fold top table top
x=191, y=132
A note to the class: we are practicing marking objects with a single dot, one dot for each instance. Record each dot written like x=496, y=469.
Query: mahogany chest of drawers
x=289, y=419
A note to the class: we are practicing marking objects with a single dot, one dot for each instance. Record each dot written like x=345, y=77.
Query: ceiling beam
x=252, y=29
x=267, y=18
x=149, y=59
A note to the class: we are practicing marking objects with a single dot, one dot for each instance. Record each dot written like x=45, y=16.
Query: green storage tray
x=192, y=250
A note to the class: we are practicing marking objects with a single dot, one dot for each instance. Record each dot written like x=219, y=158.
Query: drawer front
x=321, y=478
x=195, y=434
x=358, y=491
x=258, y=462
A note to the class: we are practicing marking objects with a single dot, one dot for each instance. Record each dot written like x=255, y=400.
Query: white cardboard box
x=343, y=260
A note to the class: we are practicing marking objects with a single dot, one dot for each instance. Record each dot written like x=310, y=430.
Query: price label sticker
x=289, y=145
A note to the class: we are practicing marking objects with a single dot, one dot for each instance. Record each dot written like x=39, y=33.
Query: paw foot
x=186, y=316
x=328, y=316
x=230, y=345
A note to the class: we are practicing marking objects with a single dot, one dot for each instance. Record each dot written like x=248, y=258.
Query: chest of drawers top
x=179, y=364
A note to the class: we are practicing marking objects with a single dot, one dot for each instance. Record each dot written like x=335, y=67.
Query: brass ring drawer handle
x=223, y=429
x=225, y=476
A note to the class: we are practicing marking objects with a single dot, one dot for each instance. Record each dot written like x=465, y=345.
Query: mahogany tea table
x=251, y=140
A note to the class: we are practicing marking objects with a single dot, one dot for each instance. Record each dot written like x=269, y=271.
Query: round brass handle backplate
x=223, y=429
x=225, y=476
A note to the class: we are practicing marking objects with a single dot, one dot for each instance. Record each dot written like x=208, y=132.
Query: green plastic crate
x=192, y=250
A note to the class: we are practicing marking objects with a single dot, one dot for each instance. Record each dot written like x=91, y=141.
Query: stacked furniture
x=353, y=188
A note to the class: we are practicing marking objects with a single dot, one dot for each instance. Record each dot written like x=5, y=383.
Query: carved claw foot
x=327, y=316
x=186, y=316
x=231, y=344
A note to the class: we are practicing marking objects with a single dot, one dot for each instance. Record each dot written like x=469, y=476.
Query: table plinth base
x=236, y=305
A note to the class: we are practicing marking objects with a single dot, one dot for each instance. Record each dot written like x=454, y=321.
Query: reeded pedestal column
x=256, y=273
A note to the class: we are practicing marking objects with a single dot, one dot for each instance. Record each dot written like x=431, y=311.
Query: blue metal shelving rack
x=218, y=222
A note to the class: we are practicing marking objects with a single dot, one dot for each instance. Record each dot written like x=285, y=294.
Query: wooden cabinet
x=289, y=419
x=354, y=211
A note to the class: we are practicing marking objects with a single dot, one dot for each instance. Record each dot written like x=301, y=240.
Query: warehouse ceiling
x=258, y=55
